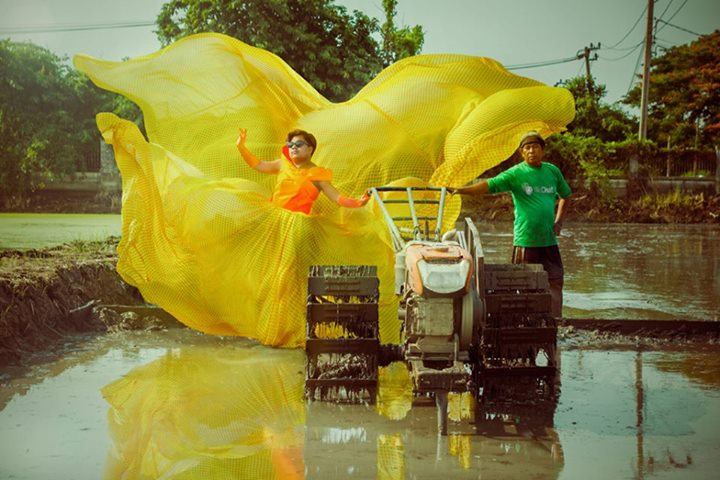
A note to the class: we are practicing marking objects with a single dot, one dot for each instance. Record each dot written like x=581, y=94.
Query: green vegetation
x=47, y=109
x=684, y=114
x=684, y=105
x=47, y=118
x=335, y=51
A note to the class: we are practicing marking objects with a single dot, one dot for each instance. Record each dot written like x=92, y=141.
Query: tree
x=335, y=51
x=331, y=49
x=594, y=117
x=47, y=118
x=684, y=107
x=398, y=43
x=36, y=127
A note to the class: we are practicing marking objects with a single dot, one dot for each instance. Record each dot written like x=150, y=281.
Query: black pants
x=550, y=259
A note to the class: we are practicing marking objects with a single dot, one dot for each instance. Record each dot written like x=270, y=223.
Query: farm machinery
x=466, y=325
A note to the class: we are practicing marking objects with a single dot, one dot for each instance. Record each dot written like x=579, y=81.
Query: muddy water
x=193, y=406
x=631, y=271
x=612, y=270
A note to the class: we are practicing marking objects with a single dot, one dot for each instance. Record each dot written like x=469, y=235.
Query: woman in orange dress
x=301, y=181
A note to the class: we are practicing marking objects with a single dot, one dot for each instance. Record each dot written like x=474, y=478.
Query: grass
x=674, y=199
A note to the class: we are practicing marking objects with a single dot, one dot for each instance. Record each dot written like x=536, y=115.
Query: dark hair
x=532, y=137
x=308, y=137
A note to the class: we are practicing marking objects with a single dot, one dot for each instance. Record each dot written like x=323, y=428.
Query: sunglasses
x=298, y=144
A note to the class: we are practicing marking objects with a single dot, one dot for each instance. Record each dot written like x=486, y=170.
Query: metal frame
x=397, y=239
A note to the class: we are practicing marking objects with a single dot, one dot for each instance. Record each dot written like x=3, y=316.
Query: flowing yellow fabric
x=203, y=412
x=201, y=237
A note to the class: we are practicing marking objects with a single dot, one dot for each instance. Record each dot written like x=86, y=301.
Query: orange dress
x=294, y=189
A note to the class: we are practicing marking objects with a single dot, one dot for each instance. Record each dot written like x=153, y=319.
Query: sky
x=514, y=32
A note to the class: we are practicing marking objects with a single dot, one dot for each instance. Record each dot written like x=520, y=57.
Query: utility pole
x=642, y=133
x=585, y=53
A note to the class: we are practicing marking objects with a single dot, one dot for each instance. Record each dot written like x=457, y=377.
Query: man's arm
x=560, y=215
x=480, y=188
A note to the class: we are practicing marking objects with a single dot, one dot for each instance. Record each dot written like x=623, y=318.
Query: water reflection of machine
x=351, y=441
x=466, y=325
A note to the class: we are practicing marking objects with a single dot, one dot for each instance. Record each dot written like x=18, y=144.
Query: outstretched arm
x=264, y=167
x=480, y=188
x=332, y=193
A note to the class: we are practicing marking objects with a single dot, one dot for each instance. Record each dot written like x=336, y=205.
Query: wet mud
x=136, y=404
x=92, y=392
x=48, y=294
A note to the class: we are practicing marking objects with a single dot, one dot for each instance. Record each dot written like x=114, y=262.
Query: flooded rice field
x=178, y=404
x=631, y=271
x=37, y=230
x=611, y=270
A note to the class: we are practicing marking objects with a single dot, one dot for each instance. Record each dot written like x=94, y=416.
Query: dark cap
x=532, y=137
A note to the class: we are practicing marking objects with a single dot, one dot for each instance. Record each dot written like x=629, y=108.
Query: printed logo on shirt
x=529, y=189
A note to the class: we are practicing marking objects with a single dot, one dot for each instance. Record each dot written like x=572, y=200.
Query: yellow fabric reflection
x=460, y=406
x=460, y=446
x=197, y=414
x=390, y=457
x=200, y=236
x=395, y=391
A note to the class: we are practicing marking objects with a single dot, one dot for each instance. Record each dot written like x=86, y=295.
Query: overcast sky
x=511, y=31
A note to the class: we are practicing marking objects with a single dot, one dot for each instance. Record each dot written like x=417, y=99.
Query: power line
x=666, y=9
x=75, y=27
x=673, y=15
x=632, y=79
x=629, y=31
x=546, y=63
x=625, y=49
x=679, y=27
x=609, y=59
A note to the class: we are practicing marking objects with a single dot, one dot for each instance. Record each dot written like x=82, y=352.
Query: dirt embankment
x=43, y=292
x=585, y=207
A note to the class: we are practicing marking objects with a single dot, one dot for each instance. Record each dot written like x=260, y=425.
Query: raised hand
x=242, y=136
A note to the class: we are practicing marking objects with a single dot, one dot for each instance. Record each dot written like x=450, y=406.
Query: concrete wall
x=106, y=180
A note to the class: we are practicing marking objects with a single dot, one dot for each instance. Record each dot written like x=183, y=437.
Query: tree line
x=47, y=108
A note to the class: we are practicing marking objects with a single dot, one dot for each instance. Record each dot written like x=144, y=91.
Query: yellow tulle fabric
x=201, y=237
x=203, y=412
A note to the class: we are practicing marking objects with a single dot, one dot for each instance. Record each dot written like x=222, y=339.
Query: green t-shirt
x=534, y=190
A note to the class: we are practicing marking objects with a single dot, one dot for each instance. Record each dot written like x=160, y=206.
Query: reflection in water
x=459, y=446
x=639, y=412
x=223, y=412
x=460, y=406
x=411, y=447
x=395, y=391
x=638, y=405
x=221, y=407
x=390, y=457
x=704, y=370
x=209, y=413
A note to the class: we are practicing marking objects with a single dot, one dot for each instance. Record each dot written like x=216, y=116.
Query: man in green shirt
x=535, y=186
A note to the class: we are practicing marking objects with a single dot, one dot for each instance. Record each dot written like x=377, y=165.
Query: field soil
x=48, y=293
